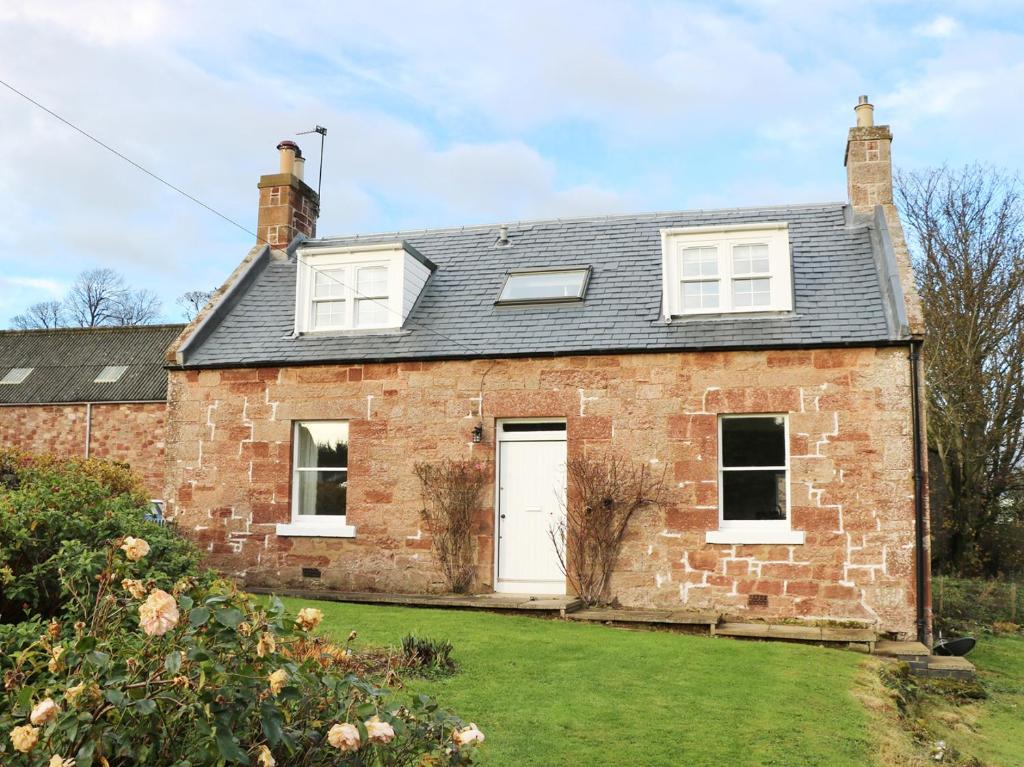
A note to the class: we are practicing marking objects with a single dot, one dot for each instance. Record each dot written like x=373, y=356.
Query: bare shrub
x=605, y=492
x=451, y=500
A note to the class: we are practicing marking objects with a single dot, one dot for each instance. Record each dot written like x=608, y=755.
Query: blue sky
x=448, y=113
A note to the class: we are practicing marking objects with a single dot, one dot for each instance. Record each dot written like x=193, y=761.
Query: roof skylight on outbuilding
x=15, y=376
x=111, y=374
x=529, y=286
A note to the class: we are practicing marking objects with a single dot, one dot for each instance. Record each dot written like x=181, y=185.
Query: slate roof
x=838, y=283
x=66, y=362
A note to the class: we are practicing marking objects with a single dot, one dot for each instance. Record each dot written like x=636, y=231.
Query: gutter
x=921, y=563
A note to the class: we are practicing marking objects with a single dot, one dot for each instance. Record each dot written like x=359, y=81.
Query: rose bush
x=56, y=517
x=201, y=677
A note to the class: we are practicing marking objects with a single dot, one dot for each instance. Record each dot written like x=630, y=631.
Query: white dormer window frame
x=353, y=288
x=742, y=268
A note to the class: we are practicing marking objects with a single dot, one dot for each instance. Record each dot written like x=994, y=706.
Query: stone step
x=796, y=632
x=909, y=652
x=653, y=617
x=948, y=667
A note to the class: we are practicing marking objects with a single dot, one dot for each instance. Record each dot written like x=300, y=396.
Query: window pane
x=700, y=262
x=544, y=285
x=750, y=259
x=756, y=292
x=328, y=314
x=759, y=495
x=756, y=441
x=322, y=493
x=372, y=281
x=372, y=312
x=700, y=295
x=329, y=283
x=322, y=444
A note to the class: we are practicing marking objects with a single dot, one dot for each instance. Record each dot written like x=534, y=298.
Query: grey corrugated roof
x=65, y=363
x=838, y=299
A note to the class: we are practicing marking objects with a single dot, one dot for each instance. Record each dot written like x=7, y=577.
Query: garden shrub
x=57, y=517
x=429, y=655
x=199, y=676
x=964, y=605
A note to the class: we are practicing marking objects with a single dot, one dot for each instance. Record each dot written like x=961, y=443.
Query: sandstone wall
x=129, y=433
x=229, y=459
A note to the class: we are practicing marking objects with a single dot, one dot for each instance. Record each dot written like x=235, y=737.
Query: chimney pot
x=299, y=167
x=865, y=113
x=289, y=152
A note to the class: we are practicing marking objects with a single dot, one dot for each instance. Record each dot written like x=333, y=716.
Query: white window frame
x=754, y=531
x=311, y=525
x=348, y=261
x=724, y=238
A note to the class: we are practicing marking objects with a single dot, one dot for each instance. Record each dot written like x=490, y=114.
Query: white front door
x=531, y=503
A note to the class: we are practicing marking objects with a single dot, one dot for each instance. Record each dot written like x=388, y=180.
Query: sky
x=458, y=113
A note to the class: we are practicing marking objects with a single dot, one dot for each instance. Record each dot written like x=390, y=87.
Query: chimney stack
x=869, y=184
x=288, y=206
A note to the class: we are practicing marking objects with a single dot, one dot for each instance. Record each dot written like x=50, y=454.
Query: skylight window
x=15, y=376
x=111, y=374
x=543, y=285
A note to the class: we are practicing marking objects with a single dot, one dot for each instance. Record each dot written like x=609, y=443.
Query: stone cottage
x=766, y=358
x=88, y=392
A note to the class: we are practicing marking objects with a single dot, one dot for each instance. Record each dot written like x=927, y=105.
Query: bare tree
x=193, y=301
x=605, y=493
x=967, y=233
x=101, y=297
x=45, y=314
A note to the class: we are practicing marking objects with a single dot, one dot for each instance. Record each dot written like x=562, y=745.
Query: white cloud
x=44, y=285
x=939, y=27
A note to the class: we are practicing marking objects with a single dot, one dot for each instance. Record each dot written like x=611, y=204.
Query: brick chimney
x=288, y=206
x=869, y=185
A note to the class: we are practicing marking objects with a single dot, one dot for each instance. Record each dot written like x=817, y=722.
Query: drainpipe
x=920, y=562
x=88, y=428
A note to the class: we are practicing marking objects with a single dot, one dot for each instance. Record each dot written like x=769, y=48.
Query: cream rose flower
x=134, y=587
x=54, y=664
x=266, y=645
x=72, y=693
x=134, y=548
x=44, y=711
x=467, y=735
x=158, y=614
x=309, y=618
x=378, y=731
x=265, y=758
x=24, y=738
x=344, y=737
x=58, y=761
x=277, y=681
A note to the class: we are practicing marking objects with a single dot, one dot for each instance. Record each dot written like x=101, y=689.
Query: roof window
x=544, y=285
x=111, y=374
x=15, y=376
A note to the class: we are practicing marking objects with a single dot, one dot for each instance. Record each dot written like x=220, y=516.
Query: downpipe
x=920, y=562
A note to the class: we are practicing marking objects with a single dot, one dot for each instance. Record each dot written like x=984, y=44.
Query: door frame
x=500, y=436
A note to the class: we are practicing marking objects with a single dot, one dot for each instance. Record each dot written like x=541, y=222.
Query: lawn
x=993, y=730
x=548, y=692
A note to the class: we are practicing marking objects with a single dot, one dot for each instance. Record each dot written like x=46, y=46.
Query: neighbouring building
x=766, y=358
x=88, y=392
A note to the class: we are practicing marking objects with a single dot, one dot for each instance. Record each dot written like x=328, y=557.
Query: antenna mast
x=320, y=176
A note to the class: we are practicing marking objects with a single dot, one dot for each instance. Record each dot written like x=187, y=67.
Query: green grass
x=992, y=730
x=555, y=693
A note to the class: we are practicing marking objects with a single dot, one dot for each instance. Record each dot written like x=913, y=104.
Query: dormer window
x=544, y=285
x=357, y=288
x=731, y=269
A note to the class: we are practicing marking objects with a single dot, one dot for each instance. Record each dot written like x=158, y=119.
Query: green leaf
x=199, y=615
x=145, y=706
x=229, y=749
x=84, y=756
x=185, y=602
x=98, y=659
x=229, y=617
x=85, y=644
x=173, y=662
x=115, y=697
x=272, y=722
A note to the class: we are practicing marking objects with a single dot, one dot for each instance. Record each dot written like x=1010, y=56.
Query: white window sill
x=755, y=536
x=306, y=530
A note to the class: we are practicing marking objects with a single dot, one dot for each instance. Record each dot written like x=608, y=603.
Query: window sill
x=754, y=536
x=300, y=530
